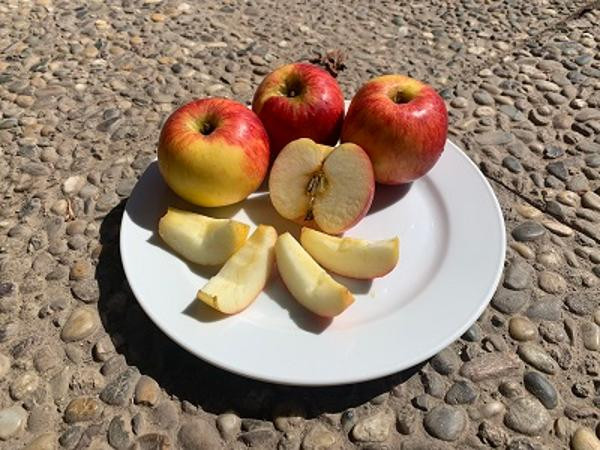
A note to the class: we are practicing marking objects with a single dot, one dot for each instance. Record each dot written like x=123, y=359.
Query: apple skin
x=219, y=168
x=401, y=123
x=316, y=111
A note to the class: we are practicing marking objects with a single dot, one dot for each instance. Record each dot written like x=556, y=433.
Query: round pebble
x=537, y=357
x=12, y=420
x=147, y=391
x=584, y=439
x=228, y=425
x=46, y=441
x=590, y=334
x=24, y=385
x=83, y=409
x=527, y=416
x=552, y=282
x=521, y=329
x=319, y=438
x=375, y=428
x=528, y=231
x=445, y=422
x=81, y=323
x=461, y=392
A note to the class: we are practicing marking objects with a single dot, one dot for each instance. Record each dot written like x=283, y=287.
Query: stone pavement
x=84, y=87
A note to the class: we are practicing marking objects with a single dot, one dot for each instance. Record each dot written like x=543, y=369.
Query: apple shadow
x=151, y=197
x=260, y=210
x=302, y=317
x=355, y=285
x=202, y=312
x=386, y=195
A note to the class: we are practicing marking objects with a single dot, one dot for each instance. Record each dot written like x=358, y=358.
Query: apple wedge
x=201, y=239
x=244, y=275
x=351, y=257
x=307, y=281
x=332, y=186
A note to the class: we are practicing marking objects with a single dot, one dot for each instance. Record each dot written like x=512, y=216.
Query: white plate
x=452, y=245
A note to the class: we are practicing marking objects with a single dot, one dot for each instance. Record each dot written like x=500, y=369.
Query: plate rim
x=362, y=377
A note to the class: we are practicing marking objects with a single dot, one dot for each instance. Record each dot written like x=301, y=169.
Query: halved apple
x=332, y=186
x=244, y=275
x=307, y=281
x=351, y=257
x=202, y=239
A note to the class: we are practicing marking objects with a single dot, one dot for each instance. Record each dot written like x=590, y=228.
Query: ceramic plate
x=452, y=246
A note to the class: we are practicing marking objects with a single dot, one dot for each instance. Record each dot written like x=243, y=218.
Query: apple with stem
x=299, y=100
x=331, y=187
x=401, y=123
x=213, y=152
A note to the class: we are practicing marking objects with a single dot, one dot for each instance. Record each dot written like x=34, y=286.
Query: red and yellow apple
x=299, y=100
x=401, y=123
x=331, y=187
x=213, y=152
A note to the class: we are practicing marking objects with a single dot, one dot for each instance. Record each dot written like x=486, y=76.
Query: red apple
x=213, y=152
x=401, y=123
x=299, y=100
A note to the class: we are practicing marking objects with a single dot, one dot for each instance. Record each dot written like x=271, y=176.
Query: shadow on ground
x=188, y=377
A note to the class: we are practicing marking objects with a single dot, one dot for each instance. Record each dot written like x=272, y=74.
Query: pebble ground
x=84, y=88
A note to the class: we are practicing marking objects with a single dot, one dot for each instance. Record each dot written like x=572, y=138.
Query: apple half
x=351, y=257
x=244, y=275
x=314, y=183
x=307, y=281
x=201, y=239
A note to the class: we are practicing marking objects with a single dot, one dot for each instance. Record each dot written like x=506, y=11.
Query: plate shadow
x=188, y=378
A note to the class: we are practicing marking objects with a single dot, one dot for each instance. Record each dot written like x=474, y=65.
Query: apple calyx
x=399, y=97
x=292, y=87
x=315, y=186
x=207, y=125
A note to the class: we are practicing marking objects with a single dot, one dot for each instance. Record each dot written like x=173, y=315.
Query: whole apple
x=401, y=123
x=213, y=152
x=299, y=100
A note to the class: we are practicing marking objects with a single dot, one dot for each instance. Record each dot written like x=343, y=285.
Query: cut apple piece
x=244, y=275
x=201, y=239
x=351, y=257
x=332, y=186
x=307, y=281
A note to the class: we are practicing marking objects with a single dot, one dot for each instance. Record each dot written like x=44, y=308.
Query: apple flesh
x=201, y=239
x=351, y=257
x=244, y=275
x=299, y=100
x=313, y=183
x=307, y=281
x=213, y=152
x=401, y=123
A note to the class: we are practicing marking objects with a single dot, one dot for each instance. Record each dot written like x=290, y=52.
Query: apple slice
x=332, y=186
x=307, y=281
x=201, y=239
x=244, y=275
x=351, y=257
